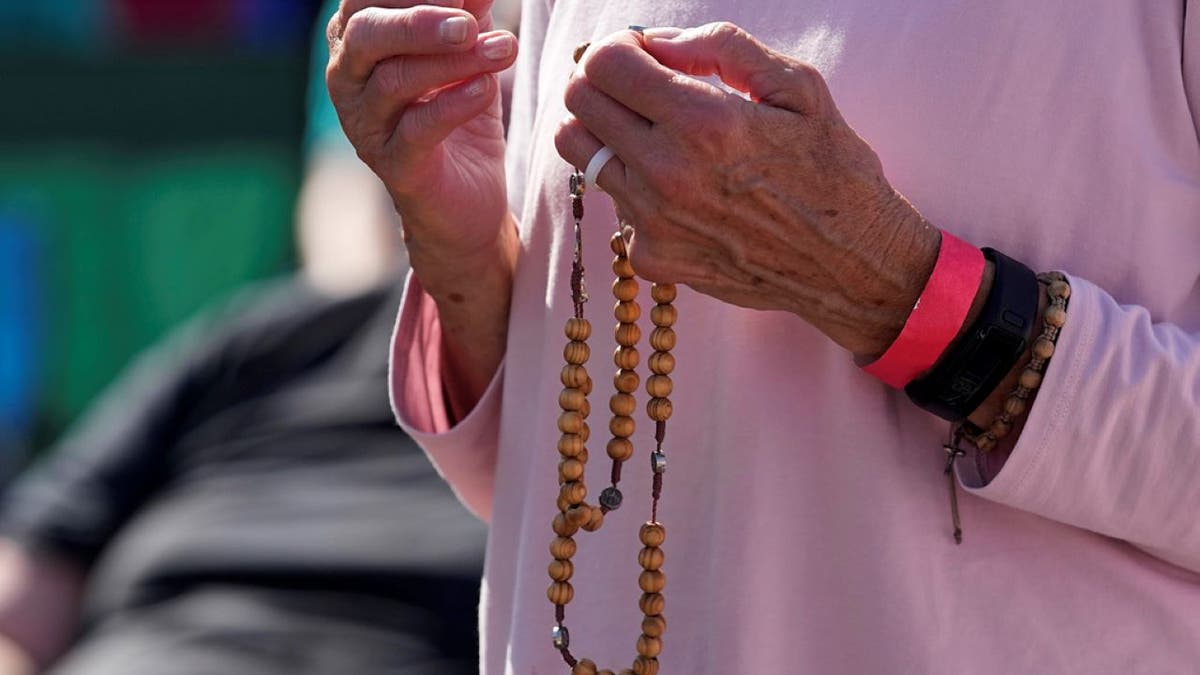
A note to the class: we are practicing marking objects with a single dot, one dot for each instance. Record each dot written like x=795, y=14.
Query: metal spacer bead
x=658, y=462
x=610, y=498
x=562, y=637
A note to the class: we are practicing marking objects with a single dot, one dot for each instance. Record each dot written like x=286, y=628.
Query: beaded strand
x=1054, y=317
x=573, y=512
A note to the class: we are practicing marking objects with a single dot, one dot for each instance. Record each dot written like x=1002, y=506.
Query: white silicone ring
x=596, y=165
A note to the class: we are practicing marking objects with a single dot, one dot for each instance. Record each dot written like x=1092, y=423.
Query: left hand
x=772, y=203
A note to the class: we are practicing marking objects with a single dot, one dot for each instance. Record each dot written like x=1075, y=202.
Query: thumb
x=741, y=61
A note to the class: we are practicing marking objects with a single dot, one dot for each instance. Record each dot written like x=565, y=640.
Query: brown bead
x=620, y=449
x=664, y=315
x=561, y=502
x=571, y=399
x=645, y=665
x=652, y=534
x=627, y=671
x=985, y=443
x=1030, y=379
x=583, y=456
x=560, y=592
x=570, y=422
x=573, y=376
x=563, y=527
x=617, y=244
x=580, y=49
x=622, y=267
x=585, y=409
x=595, y=520
x=586, y=387
x=578, y=329
x=1055, y=316
x=1043, y=348
x=627, y=334
x=626, y=381
x=659, y=386
x=662, y=363
x=626, y=358
x=627, y=312
x=663, y=293
x=625, y=289
x=654, y=626
x=622, y=404
x=570, y=469
x=576, y=352
x=570, y=445
x=1014, y=406
x=622, y=426
x=561, y=570
x=652, y=581
x=584, y=667
x=659, y=409
x=651, y=558
x=1000, y=428
x=574, y=492
x=585, y=433
x=662, y=339
x=605, y=672
x=579, y=514
x=652, y=603
x=649, y=646
x=1059, y=289
x=562, y=548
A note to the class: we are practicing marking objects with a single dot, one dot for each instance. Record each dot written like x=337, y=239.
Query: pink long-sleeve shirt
x=805, y=506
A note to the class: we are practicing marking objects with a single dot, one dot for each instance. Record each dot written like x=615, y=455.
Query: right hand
x=415, y=88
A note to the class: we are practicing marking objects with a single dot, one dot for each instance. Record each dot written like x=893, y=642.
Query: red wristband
x=937, y=316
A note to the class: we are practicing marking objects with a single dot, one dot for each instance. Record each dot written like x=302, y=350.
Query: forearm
x=473, y=294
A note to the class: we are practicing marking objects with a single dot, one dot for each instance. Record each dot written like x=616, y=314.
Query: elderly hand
x=768, y=203
x=413, y=84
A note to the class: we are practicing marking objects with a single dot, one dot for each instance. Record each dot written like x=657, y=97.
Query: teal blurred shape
x=55, y=24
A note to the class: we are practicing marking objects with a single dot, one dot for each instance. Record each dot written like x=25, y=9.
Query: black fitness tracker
x=978, y=362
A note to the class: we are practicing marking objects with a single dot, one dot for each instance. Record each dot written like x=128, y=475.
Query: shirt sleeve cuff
x=463, y=453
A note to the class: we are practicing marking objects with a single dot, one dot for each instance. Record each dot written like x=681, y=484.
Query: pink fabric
x=936, y=318
x=806, y=513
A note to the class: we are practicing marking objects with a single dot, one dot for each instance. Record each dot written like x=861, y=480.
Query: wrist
x=456, y=274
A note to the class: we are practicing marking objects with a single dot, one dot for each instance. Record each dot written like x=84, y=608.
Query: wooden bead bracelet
x=1054, y=317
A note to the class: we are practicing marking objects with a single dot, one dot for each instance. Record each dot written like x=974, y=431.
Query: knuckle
x=576, y=94
x=607, y=60
x=565, y=135
x=724, y=32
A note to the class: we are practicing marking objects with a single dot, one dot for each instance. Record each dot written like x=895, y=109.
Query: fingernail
x=477, y=87
x=497, y=47
x=662, y=33
x=454, y=30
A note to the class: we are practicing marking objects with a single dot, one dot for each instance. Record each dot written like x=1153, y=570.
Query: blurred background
x=150, y=157
x=199, y=469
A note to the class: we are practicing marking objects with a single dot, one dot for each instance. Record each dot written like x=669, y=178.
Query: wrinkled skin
x=770, y=203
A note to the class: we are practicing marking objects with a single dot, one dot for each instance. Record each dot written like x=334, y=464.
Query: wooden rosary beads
x=574, y=513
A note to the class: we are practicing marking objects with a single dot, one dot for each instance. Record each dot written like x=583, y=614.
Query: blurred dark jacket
x=246, y=505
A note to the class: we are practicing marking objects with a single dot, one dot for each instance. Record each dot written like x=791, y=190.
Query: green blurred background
x=150, y=155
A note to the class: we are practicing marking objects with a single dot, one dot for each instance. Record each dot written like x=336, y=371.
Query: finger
x=398, y=82
x=622, y=69
x=616, y=126
x=577, y=146
x=375, y=34
x=742, y=62
x=337, y=23
x=429, y=122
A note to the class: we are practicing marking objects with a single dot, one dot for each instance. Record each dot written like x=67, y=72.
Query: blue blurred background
x=150, y=156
